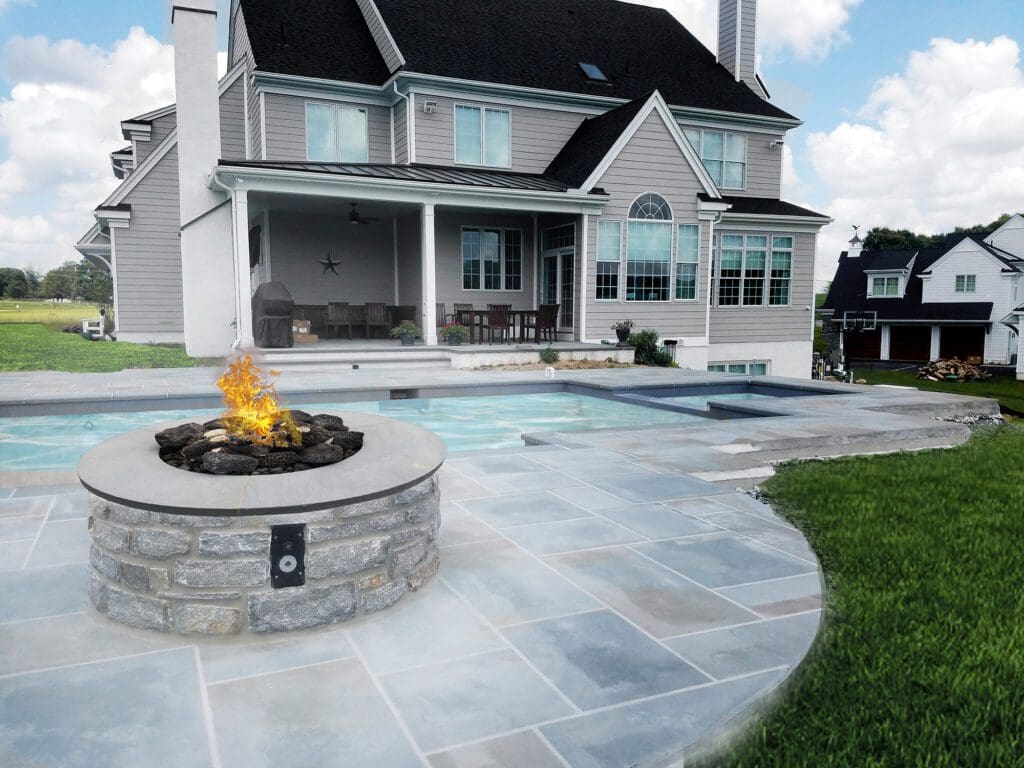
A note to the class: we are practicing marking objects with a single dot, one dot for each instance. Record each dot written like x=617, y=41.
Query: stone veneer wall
x=195, y=574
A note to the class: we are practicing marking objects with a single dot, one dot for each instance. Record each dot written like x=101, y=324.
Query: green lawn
x=46, y=312
x=1008, y=391
x=921, y=658
x=33, y=347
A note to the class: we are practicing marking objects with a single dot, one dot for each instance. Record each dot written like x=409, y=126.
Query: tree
x=884, y=238
x=15, y=284
x=34, y=281
x=59, y=283
x=93, y=284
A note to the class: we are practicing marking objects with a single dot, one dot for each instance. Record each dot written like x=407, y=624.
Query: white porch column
x=243, y=281
x=884, y=353
x=429, y=276
x=933, y=353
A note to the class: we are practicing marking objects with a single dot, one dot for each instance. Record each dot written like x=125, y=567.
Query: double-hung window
x=743, y=269
x=483, y=136
x=649, y=249
x=724, y=155
x=885, y=286
x=687, y=259
x=781, y=273
x=966, y=283
x=492, y=259
x=609, y=257
x=336, y=133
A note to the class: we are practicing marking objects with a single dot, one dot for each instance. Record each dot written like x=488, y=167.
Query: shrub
x=549, y=355
x=648, y=352
x=407, y=327
x=454, y=329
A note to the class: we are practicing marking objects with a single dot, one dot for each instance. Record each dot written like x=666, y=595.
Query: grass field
x=45, y=312
x=1008, y=391
x=33, y=347
x=921, y=657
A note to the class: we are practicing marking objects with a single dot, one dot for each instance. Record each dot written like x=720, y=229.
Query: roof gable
x=598, y=141
x=968, y=245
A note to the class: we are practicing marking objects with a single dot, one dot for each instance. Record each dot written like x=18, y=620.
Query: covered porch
x=431, y=246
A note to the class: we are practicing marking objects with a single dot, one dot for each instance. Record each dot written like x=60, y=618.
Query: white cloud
x=935, y=146
x=5, y=4
x=821, y=24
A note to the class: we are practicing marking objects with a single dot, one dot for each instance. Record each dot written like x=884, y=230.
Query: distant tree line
x=72, y=281
x=884, y=238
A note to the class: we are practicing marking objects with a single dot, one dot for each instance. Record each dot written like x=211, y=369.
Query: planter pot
x=454, y=340
x=623, y=336
x=407, y=339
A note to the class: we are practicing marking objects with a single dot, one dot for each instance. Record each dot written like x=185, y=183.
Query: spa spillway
x=191, y=553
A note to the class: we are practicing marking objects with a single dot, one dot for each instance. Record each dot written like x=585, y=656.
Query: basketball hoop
x=859, y=321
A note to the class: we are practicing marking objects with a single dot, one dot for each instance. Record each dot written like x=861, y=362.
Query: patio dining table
x=475, y=320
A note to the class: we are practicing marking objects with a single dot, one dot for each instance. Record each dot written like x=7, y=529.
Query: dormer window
x=966, y=283
x=593, y=72
x=885, y=286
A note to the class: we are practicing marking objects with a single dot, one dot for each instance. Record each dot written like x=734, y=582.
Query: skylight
x=593, y=72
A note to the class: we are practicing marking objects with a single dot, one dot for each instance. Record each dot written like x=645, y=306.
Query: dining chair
x=500, y=321
x=547, y=322
x=338, y=315
x=377, y=317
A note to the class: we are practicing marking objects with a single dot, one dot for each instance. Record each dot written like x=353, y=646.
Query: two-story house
x=587, y=153
x=960, y=299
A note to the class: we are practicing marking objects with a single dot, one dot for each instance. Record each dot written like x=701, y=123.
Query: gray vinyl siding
x=159, y=129
x=255, y=117
x=401, y=132
x=748, y=53
x=232, y=121
x=537, y=134
x=148, y=254
x=727, y=34
x=764, y=165
x=299, y=240
x=240, y=47
x=651, y=162
x=286, y=128
x=770, y=324
x=380, y=35
x=410, y=281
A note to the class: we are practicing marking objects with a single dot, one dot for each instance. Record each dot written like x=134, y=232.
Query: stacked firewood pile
x=952, y=370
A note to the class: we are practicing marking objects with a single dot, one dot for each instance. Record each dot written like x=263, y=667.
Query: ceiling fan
x=355, y=218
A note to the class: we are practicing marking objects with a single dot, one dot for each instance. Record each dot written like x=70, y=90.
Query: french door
x=558, y=273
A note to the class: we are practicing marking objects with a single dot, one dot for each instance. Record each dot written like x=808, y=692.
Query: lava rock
x=279, y=459
x=300, y=417
x=349, y=441
x=319, y=455
x=197, y=449
x=228, y=463
x=179, y=437
x=330, y=423
x=170, y=454
x=313, y=435
x=215, y=424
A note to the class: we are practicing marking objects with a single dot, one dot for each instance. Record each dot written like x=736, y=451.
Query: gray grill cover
x=272, y=314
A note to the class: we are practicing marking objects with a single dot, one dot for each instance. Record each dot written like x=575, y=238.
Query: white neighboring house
x=961, y=299
x=436, y=168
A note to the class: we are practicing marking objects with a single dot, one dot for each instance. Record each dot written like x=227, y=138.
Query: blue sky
x=884, y=106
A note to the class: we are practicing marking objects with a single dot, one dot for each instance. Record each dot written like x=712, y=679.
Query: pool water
x=464, y=423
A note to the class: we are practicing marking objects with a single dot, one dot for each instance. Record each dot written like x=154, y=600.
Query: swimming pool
x=464, y=423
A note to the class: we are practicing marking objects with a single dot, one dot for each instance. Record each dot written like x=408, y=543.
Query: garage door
x=910, y=342
x=962, y=341
x=864, y=345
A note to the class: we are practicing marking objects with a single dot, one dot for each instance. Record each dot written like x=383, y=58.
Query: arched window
x=649, y=249
x=650, y=207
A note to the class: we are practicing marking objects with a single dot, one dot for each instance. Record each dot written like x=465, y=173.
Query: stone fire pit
x=202, y=554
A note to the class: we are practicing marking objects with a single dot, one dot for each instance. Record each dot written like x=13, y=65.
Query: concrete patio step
x=327, y=359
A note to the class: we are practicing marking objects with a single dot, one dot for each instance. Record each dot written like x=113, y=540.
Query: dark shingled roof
x=760, y=206
x=591, y=142
x=431, y=174
x=848, y=291
x=528, y=43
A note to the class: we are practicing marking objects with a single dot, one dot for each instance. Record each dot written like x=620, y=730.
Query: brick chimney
x=737, y=40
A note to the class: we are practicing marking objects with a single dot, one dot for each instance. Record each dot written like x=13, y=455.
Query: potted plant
x=622, y=330
x=454, y=333
x=407, y=331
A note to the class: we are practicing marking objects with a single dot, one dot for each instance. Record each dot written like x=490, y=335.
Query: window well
x=593, y=72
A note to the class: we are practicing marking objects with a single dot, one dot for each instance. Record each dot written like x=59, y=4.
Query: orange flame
x=253, y=410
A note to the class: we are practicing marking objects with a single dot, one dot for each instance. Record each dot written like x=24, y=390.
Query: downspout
x=234, y=259
x=711, y=266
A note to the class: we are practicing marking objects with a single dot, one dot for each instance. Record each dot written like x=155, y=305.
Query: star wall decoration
x=330, y=265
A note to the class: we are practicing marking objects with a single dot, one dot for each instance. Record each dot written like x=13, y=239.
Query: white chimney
x=737, y=40
x=209, y=277
x=198, y=111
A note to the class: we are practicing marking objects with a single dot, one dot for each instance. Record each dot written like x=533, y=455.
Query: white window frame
x=337, y=134
x=482, y=109
x=872, y=277
x=698, y=133
x=671, y=224
x=679, y=262
x=743, y=270
x=768, y=272
x=965, y=284
x=722, y=366
x=501, y=259
x=618, y=261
